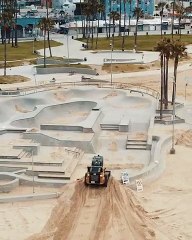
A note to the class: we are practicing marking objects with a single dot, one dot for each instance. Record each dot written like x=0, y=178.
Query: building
x=147, y=6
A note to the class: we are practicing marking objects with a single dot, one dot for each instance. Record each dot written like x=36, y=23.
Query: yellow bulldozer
x=96, y=174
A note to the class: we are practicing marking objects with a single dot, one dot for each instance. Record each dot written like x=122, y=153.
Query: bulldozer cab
x=97, y=161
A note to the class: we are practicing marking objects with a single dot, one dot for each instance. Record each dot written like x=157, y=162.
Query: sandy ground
x=98, y=213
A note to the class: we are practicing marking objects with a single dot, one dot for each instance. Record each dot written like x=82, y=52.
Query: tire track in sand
x=97, y=213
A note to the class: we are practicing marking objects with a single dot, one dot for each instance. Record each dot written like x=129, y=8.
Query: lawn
x=9, y=79
x=24, y=50
x=144, y=42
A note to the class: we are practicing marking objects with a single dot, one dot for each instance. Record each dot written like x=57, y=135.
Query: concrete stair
x=134, y=144
x=53, y=176
x=108, y=126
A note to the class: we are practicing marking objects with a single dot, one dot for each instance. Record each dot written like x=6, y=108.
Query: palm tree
x=100, y=9
x=164, y=46
x=114, y=16
x=137, y=13
x=161, y=6
x=177, y=51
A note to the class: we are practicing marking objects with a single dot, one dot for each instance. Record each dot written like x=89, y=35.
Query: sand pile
x=97, y=213
x=112, y=94
x=21, y=109
x=184, y=138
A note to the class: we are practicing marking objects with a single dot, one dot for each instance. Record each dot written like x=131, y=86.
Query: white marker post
x=139, y=185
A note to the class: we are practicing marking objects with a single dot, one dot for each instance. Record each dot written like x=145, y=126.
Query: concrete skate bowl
x=7, y=183
x=98, y=213
x=86, y=93
x=20, y=105
x=129, y=110
x=59, y=114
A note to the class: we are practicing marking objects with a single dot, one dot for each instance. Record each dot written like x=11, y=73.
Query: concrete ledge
x=52, y=70
x=29, y=197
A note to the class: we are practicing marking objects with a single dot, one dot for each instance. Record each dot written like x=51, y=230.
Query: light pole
x=68, y=48
x=111, y=45
x=32, y=171
x=172, y=150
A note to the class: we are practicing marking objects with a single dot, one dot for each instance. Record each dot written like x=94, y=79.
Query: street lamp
x=111, y=45
x=68, y=48
x=172, y=150
x=33, y=171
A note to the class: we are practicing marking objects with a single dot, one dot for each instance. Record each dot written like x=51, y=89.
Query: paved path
x=76, y=51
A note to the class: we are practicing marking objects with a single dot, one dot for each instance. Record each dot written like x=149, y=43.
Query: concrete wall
x=29, y=197
x=12, y=183
x=54, y=61
x=65, y=70
x=45, y=140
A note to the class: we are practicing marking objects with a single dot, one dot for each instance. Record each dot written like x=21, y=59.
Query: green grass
x=24, y=50
x=144, y=42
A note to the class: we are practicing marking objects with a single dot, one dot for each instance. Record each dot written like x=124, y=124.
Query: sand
x=98, y=213
x=168, y=199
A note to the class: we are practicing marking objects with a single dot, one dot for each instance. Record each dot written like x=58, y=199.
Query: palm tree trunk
x=129, y=17
x=113, y=32
x=161, y=22
x=166, y=84
x=164, y=77
x=5, y=52
x=179, y=30
x=172, y=21
x=135, y=39
x=83, y=32
x=175, y=79
x=49, y=44
x=12, y=37
x=44, y=46
x=97, y=32
x=16, y=40
x=120, y=18
x=48, y=32
x=110, y=19
x=106, y=29
x=123, y=40
x=162, y=81
x=92, y=33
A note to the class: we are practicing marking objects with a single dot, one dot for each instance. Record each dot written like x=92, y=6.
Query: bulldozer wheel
x=106, y=180
x=86, y=184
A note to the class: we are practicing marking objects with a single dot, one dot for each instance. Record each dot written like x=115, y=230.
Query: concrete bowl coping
x=39, y=109
x=12, y=182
